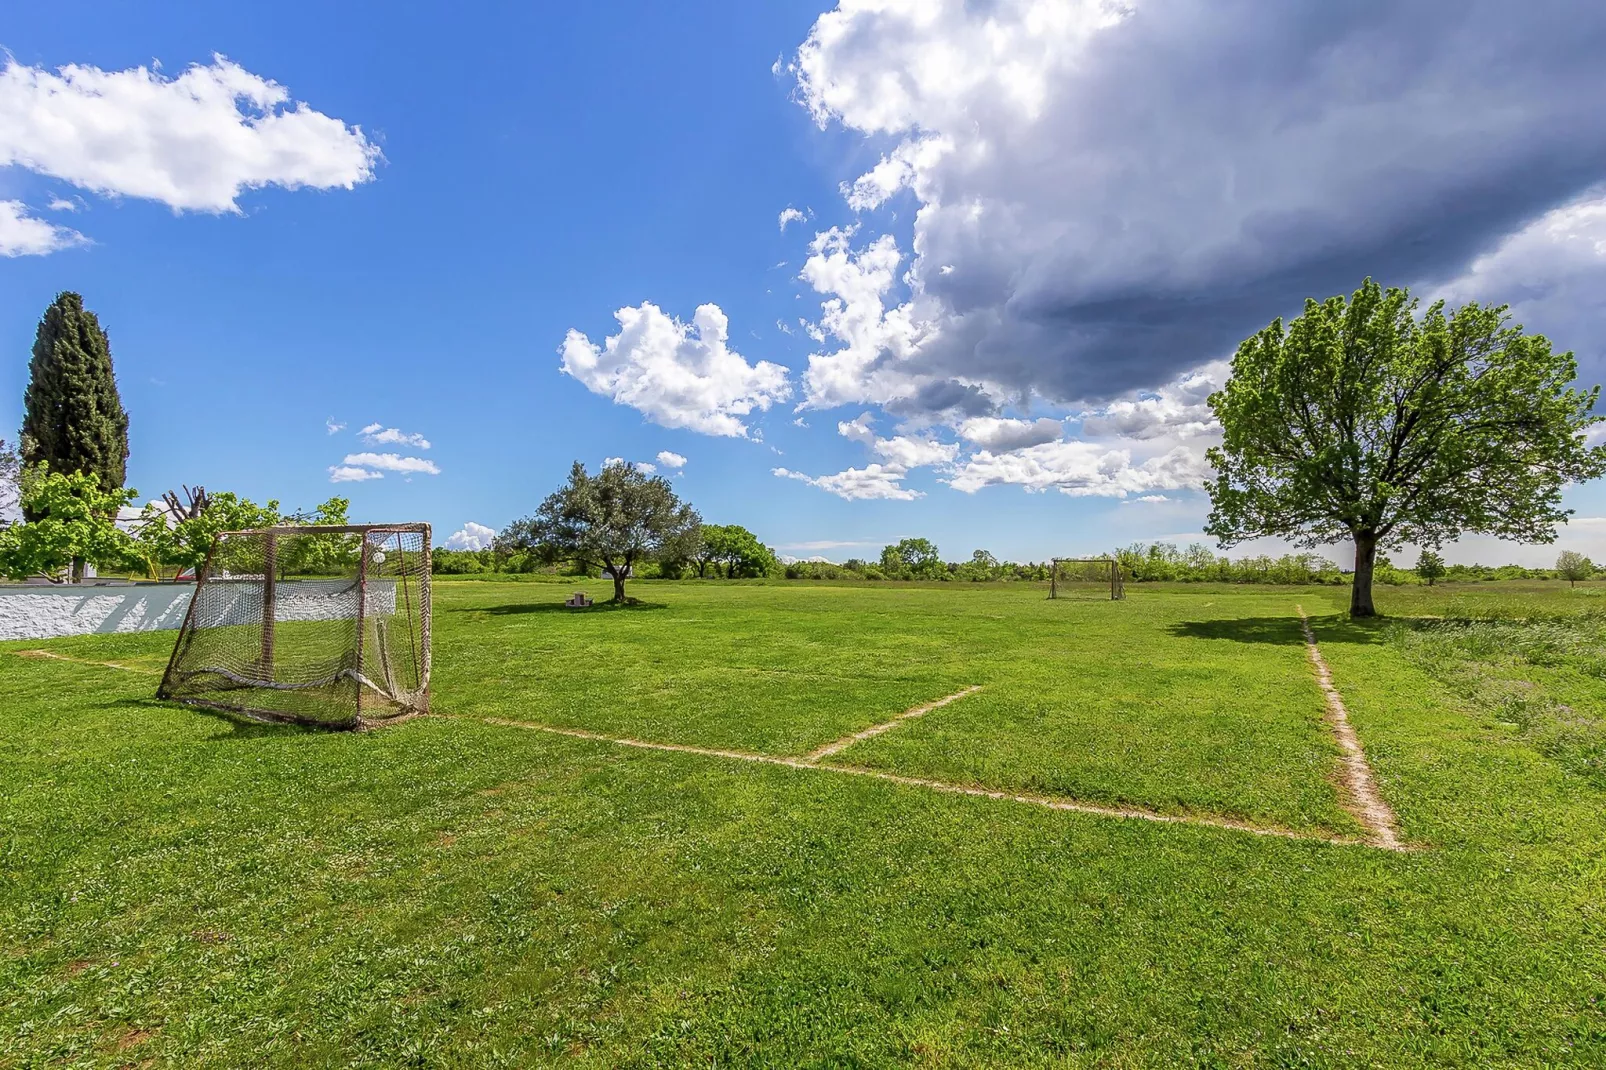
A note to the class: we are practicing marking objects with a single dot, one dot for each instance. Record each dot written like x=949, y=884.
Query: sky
x=961, y=270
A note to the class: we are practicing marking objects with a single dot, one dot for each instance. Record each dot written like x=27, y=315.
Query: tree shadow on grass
x=558, y=607
x=1279, y=631
x=1284, y=631
x=1328, y=627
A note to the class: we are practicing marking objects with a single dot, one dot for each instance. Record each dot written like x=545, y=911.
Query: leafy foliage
x=1429, y=566
x=185, y=543
x=1359, y=420
x=1197, y=563
x=616, y=519
x=73, y=418
x=74, y=521
x=736, y=550
x=912, y=559
x=1573, y=566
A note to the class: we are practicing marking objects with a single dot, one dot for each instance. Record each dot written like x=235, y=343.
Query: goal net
x=321, y=625
x=1085, y=577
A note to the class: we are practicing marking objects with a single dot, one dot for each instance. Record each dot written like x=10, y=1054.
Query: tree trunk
x=1360, y=595
x=618, y=584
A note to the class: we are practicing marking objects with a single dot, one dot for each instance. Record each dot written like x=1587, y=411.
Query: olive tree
x=616, y=519
x=1360, y=419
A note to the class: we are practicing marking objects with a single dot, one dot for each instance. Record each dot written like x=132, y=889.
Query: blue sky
x=1032, y=294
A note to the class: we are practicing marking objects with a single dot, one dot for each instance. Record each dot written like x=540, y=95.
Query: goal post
x=1085, y=577
x=326, y=625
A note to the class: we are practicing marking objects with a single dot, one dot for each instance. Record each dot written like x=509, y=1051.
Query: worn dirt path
x=1358, y=787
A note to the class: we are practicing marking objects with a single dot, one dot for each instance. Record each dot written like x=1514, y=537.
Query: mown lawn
x=179, y=887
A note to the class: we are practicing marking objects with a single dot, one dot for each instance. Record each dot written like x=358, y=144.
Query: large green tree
x=1360, y=419
x=73, y=419
x=74, y=521
x=614, y=520
x=912, y=557
x=737, y=549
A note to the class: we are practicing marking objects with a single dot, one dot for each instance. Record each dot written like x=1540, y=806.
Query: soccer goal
x=1085, y=577
x=322, y=625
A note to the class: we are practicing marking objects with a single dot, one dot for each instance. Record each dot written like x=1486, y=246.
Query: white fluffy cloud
x=350, y=473
x=392, y=462
x=193, y=143
x=334, y=426
x=671, y=460
x=858, y=484
x=680, y=375
x=873, y=341
x=1002, y=435
x=901, y=451
x=1553, y=274
x=22, y=234
x=790, y=215
x=471, y=536
x=1082, y=469
x=643, y=467
x=1178, y=410
x=379, y=434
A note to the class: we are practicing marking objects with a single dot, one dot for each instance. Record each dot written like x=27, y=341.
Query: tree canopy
x=73, y=418
x=737, y=549
x=1573, y=566
x=912, y=558
x=1361, y=420
x=74, y=521
x=1430, y=567
x=182, y=537
x=616, y=519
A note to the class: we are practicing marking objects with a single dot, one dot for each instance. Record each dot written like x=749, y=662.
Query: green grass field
x=180, y=888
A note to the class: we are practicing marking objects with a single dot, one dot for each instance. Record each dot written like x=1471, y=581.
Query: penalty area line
x=1047, y=802
x=886, y=726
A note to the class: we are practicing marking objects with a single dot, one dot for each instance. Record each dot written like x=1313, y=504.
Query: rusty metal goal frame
x=363, y=671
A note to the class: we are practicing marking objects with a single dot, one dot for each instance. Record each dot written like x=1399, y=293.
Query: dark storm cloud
x=1203, y=167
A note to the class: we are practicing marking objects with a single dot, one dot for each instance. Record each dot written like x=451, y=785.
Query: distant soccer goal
x=322, y=625
x=1085, y=577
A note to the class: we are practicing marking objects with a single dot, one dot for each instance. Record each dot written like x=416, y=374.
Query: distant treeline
x=918, y=559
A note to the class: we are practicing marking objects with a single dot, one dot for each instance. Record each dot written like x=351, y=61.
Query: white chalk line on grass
x=1357, y=784
x=886, y=726
x=1373, y=813
x=53, y=656
x=1049, y=802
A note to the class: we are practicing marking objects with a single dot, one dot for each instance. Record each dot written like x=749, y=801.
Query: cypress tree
x=73, y=419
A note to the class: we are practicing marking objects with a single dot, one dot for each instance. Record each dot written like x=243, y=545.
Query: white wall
x=48, y=612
